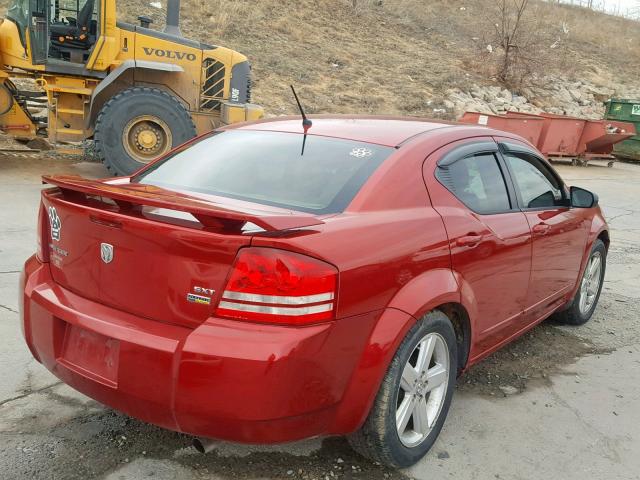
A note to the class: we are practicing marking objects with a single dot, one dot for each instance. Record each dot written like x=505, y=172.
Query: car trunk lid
x=156, y=253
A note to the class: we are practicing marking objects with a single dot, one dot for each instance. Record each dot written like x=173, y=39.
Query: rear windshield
x=271, y=168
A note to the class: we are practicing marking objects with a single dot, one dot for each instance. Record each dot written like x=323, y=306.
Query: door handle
x=470, y=240
x=541, y=228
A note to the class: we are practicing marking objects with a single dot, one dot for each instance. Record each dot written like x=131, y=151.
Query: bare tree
x=508, y=32
x=522, y=45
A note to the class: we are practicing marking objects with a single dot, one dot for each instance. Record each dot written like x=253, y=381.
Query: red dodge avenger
x=273, y=281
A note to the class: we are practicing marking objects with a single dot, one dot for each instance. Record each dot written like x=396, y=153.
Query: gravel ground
x=559, y=401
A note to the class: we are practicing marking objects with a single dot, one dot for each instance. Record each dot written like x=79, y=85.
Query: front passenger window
x=538, y=188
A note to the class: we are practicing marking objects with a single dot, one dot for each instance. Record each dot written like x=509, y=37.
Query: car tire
x=380, y=439
x=138, y=125
x=586, y=299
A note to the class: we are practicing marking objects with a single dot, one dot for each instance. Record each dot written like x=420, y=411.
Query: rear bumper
x=225, y=379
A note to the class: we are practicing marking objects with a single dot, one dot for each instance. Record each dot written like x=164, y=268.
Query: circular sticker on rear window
x=361, y=152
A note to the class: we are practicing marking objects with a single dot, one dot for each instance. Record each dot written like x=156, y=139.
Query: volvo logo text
x=172, y=54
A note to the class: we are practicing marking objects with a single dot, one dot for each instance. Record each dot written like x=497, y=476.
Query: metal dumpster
x=600, y=137
x=626, y=110
x=527, y=126
x=560, y=136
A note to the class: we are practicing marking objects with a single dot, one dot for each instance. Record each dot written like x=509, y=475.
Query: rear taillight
x=275, y=286
x=42, y=252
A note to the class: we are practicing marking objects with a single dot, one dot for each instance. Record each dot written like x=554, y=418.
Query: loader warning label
x=635, y=110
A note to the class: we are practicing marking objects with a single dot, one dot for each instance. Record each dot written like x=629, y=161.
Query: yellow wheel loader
x=136, y=91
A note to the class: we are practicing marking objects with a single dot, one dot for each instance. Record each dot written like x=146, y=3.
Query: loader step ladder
x=61, y=126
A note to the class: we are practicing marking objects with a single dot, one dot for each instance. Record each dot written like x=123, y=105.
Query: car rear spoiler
x=128, y=195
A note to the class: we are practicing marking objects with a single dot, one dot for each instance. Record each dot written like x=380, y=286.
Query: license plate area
x=91, y=355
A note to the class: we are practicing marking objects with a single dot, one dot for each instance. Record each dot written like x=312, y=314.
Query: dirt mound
x=390, y=56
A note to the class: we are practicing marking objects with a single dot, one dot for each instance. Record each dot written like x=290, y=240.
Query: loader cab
x=57, y=31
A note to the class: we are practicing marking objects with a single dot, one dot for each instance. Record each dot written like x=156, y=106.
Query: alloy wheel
x=422, y=389
x=590, y=285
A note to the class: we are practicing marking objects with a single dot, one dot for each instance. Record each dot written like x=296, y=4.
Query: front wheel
x=414, y=398
x=586, y=298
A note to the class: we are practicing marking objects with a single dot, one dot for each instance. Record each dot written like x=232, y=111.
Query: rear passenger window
x=537, y=187
x=477, y=182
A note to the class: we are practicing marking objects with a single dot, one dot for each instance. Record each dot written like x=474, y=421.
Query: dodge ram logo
x=55, y=223
x=106, y=252
x=171, y=54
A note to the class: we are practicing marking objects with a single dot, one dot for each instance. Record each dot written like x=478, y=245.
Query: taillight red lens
x=42, y=252
x=275, y=286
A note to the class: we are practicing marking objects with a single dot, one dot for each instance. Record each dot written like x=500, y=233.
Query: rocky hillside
x=413, y=57
x=562, y=96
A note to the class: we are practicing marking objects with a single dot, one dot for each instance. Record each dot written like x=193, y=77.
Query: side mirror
x=581, y=198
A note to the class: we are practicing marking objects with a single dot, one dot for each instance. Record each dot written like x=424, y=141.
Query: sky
x=622, y=5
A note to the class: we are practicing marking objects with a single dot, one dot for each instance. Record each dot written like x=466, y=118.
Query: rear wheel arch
x=461, y=322
x=434, y=290
x=381, y=438
x=426, y=291
x=442, y=291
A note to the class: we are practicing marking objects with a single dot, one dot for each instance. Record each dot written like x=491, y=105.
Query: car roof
x=382, y=130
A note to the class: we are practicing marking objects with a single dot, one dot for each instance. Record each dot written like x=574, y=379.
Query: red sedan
x=262, y=284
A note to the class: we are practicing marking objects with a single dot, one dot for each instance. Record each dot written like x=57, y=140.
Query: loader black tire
x=116, y=117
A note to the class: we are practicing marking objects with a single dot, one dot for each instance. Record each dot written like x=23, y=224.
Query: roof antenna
x=306, y=123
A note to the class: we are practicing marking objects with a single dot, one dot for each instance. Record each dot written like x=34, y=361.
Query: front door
x=559, y=232
x=489, y=237
x=39, y=31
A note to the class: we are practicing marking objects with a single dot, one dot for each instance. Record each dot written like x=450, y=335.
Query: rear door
x=559, y=233
x=489, y=236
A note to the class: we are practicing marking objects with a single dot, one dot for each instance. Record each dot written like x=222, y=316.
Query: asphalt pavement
x=559, y=403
